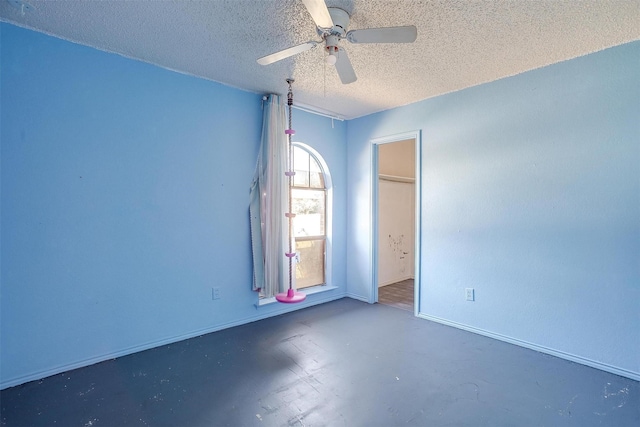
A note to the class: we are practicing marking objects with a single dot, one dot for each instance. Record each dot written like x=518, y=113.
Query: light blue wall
x=125, y=195
x=125, y=191
x=531, y=195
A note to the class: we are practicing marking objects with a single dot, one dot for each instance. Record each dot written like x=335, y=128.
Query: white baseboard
x=286, y=308
x=170, y=340
x=358, y=297
x=391, y=282
x=561, y=354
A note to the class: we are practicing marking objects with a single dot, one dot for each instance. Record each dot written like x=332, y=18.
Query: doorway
x=395, y=221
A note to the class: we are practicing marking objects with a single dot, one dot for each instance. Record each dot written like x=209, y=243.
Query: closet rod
x=396, y=178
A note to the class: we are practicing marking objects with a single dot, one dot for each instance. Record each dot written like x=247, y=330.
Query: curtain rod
x=309, y=109
x=316, y=112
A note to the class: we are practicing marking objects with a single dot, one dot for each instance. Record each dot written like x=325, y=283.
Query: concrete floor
x=344, y=363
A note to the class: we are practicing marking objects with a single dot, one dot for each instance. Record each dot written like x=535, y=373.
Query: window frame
x=328, y=213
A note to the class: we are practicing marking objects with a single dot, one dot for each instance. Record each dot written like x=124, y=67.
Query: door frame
x=375, y=143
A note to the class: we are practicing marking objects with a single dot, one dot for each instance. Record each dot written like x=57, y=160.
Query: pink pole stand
x=289, y=132
x=289, y=173
x=290, y=296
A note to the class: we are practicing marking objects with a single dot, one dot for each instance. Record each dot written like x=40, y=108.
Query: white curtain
x=269, y=202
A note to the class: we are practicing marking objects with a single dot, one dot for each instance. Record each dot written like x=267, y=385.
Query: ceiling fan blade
x=319, y=12
x=344, y=68
x=406, y=34
x=274, y=57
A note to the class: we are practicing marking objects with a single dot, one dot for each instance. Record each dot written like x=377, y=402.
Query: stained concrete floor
x=344, y=363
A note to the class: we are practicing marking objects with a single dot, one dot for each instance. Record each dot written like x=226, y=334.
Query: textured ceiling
x=460, y=43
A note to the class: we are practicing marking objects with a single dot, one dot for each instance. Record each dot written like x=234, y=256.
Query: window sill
x=308, y=291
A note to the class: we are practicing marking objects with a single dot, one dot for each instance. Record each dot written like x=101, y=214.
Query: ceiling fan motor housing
x=340, y=20
x=334, y=34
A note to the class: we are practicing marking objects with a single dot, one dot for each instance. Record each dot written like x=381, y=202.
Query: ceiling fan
x=332, y=23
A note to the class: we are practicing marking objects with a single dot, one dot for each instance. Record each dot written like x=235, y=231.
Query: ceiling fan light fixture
x=331, y=59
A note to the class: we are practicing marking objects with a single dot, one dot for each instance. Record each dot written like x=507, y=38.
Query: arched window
x=310, y=198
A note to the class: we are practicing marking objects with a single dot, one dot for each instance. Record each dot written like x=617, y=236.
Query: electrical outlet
x=470, y=294
x=215, y=293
